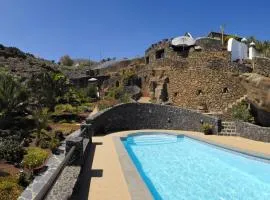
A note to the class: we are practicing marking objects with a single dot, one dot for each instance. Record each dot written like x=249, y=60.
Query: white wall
x=238, y=50
x=253, y=53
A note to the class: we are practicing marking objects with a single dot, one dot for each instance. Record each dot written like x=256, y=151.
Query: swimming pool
x=179, y=167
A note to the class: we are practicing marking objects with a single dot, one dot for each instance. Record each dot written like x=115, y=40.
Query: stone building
x=199, y=76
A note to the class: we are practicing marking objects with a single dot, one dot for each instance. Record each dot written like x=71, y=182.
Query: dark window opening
x=160, y=54
x=145, y=78
x=225, y=90
x=147, y=60
x=199, y=92
x=181, y=51
x=175, y=94
x=153, y=86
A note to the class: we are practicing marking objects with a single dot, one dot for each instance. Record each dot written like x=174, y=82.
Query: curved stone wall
x=135, y=116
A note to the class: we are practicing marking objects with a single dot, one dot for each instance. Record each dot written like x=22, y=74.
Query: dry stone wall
x=253, y=132
x=135, y=116
x=203, y=79
x=212, y=89
x=262, y=66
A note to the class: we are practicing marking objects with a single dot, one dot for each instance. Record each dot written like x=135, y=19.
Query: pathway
x=95, y=111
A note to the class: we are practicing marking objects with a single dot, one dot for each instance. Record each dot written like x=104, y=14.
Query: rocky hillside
x=23, y=64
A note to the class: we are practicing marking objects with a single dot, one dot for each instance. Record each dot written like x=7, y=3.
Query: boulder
x=258, y=94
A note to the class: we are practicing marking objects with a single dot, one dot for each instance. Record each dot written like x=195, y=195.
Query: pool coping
x=136, y=185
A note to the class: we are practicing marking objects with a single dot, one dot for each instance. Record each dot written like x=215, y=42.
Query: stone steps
x=228, y=128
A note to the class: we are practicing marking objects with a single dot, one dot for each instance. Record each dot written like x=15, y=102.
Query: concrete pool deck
x=111, y=182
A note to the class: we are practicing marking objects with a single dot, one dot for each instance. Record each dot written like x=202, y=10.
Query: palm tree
x=13, y=96
x=49, y=88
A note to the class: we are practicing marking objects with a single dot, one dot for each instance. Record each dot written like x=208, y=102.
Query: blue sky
x=121, y=28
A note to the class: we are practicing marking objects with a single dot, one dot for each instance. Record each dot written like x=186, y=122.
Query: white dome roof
x=252, y=43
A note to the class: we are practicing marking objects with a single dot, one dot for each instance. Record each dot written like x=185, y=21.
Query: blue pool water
x=183, y=168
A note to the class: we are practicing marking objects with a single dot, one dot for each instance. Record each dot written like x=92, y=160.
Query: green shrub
x=25, y=179
x=115, y=92
x=11, y=150
x=242, y=112
x=207, y=129
x=9, y=188
x=54, y=143
x=125, y=98
x=64, y=108
x=35, y=157
x=44, y=144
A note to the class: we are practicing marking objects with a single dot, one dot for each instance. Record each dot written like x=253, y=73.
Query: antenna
x=100, y=55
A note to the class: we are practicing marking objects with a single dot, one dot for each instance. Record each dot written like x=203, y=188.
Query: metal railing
x=42, y=194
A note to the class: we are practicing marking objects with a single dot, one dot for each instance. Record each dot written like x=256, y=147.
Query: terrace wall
x=262, y=66
x=135, y=116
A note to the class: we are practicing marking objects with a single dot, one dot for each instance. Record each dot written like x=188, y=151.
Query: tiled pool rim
x=136, y=185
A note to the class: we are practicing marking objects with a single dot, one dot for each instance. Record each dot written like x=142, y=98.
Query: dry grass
x=65, y=128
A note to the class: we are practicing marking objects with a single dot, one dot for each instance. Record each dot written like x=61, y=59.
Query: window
x=147, y=60
x=175, y=94
x=160, y=54
x=199, y=92
x=225, y=90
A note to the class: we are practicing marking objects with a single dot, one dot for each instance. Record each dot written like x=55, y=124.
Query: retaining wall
x=262, y=66
x=135, y=116
x=253, y=132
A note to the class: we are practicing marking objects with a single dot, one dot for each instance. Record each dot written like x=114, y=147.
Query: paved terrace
x=104, y=178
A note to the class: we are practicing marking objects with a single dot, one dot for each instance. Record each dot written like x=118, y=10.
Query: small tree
x=242, y=112
x=41, y=117
x=66, y=60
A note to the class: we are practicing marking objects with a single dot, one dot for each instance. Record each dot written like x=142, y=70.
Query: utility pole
x=222, y=28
